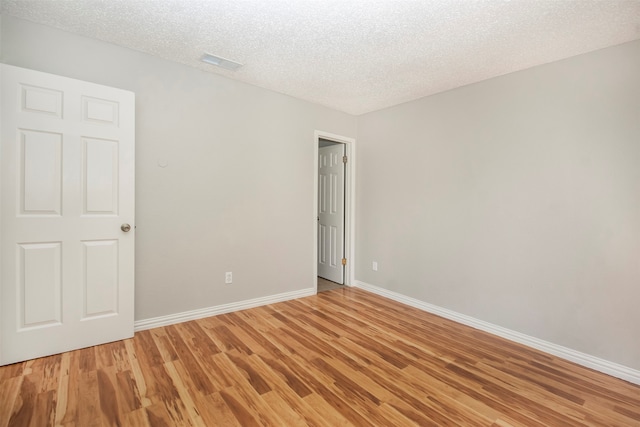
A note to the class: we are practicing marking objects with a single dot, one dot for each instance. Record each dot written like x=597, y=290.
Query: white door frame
x=349, y=205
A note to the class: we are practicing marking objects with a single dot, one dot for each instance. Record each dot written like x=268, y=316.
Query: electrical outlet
x=228, y=277
x=374, y=266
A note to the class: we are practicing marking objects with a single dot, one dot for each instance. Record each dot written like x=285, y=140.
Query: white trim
x=601, y=365
x=350, y=206
x=156, y=322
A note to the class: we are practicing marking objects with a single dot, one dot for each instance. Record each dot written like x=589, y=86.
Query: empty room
x=319, y=213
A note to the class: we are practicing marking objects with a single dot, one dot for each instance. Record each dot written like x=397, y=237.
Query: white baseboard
x=156, y=322
x=601, y=365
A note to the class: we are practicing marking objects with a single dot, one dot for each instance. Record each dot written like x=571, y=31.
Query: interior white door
x=67, y=188
x=331, y=212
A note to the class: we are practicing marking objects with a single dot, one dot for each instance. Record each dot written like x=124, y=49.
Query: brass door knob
x=125, y=227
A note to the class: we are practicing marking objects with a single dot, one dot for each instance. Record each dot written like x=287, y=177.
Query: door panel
x=100, y=181
x=41, y=101
x=102, y=111
x=100, y=279
x=67, y=185
x=40, y=284
x=40, y=172
x=331, y=213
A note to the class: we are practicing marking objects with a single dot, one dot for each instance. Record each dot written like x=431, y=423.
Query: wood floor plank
x=328, y=413
x=67, y=396
x=163, y=344
x=241, y=411
x=344, y=357
x=138, y=375
x=244, y=392
x=158, y=414
x=183, y=391
x=250, y=343
x=137, y=418
x=278, y=368
x=128, y=393
x=9, y=392
x=186, y=355
x=253, y=377
x=288, y=388
x=109, y=407
x=89, y=413
x=44, y=409
x=215, y=411
x=12, y=371
x=24, y=403
x=283, y=410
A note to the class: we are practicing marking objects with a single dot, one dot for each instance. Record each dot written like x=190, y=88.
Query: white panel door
x=331, y=213
x=67, y=187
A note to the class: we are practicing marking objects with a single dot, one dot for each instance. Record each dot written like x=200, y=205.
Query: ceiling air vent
x=220, y=62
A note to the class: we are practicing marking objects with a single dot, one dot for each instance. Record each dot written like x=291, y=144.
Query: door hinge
x=344, y=261
x=344, y=159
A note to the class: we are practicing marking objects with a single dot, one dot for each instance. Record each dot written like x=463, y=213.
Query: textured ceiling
x=353, y=55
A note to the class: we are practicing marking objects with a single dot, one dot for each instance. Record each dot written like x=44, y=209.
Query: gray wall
x=515, y=201
x=237, y=194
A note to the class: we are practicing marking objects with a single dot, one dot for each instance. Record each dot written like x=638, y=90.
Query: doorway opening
x=334, y=210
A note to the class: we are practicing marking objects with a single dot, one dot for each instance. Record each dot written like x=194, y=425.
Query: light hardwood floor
x=342, y=357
